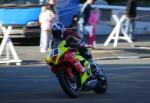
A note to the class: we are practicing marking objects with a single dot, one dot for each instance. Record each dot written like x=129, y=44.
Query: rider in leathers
x=73, y=41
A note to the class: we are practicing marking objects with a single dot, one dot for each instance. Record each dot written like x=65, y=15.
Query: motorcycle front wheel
x=69, y=86
x=102, y=84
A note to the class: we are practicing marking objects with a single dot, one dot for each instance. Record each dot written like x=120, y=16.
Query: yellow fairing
x=60, y=51
x=57, y=52
x=87, y=72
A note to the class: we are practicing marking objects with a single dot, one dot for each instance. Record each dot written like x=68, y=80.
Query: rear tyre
x=69, y=86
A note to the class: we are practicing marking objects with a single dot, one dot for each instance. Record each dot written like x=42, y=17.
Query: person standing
x=51, y=4
x=131, y=14
x=74, y=21
x=45, y=18
x=92, y=21
x=84, y=15
x=86, y=10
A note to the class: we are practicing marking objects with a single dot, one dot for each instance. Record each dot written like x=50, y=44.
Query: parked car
x=22, y=15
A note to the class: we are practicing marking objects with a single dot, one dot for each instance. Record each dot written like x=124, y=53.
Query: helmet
x=57, y=30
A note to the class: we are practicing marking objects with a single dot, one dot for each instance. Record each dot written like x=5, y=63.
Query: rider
x=74, y=41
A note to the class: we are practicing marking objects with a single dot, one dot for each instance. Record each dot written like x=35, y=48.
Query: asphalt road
x=127, y=69
x=128, y=83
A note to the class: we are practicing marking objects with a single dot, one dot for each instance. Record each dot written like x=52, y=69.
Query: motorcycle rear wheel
x=70, y=87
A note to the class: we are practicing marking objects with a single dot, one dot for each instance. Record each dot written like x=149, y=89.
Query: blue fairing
x=19, y=16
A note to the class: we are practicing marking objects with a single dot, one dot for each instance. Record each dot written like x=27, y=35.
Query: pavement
x=30, y=55
x=139, y=49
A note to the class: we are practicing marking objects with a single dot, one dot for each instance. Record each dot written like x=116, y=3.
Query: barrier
x=114, y=35
x=7, y=46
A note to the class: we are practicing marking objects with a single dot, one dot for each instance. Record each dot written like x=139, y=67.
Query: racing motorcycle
x=71, y=81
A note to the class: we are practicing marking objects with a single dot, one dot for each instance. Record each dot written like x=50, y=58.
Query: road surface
x=36, y=84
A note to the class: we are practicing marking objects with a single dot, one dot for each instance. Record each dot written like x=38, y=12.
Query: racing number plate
x=54, y=52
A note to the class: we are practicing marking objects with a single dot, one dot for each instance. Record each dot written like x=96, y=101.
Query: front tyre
x=102, y=84
x=69, y=86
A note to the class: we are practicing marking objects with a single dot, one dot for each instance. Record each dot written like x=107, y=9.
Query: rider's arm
x=73, y=42
x=72, y=38
x=77, y=44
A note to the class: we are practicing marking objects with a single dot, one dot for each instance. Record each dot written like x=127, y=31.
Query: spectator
x=74, y=22
x=92, y=21
x=51, y=4
x=84, y=15
x=45, y=18
x=131, y=14
x=86, y=9
x=52, y=11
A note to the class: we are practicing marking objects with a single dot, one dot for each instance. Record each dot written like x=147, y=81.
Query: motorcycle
x=71, y=81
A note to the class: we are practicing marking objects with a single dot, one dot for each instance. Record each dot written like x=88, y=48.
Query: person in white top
x=45, y=18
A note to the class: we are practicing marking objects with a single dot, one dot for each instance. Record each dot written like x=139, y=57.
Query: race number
x=54, y=52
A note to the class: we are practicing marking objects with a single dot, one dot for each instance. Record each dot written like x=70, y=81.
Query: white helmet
x=57, y=30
